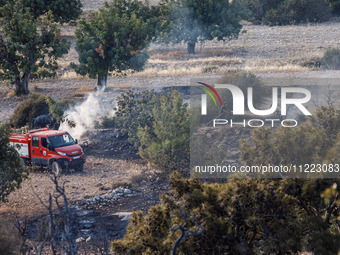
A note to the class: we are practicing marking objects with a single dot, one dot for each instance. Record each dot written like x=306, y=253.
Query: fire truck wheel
x=80, y=168
x=56, y=168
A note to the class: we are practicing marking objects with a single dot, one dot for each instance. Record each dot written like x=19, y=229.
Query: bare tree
x=57, y=234
x=63, y=242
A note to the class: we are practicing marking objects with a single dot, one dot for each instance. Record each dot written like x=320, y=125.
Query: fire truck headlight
x=61, y=153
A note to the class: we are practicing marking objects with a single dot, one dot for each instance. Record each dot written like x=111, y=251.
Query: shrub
x=335, y=6
x=37, y=105
x=298, y=11
x=42, y=74
x=241, y=216
x=331, y=59
x=157, y=125
x=134, y=110
x=284, y=12
x=12, y=170
x=165, y=143
x=315, y=141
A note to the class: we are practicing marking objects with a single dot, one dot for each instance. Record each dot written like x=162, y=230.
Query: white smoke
x=86, y=114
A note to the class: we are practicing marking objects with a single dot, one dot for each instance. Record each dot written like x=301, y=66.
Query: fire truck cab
x=53, y=149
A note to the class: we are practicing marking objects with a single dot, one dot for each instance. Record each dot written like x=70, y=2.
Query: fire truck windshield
x=61, y=140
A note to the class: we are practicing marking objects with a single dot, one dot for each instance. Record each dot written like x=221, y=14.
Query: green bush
x=36, y=105
x=285, y=12
x=331, y=59
x=315, y=141
x=134, y=110
x=42, y=74
x=12, y=170
x=165, y=143
x=335, y=6
x=157, y=125
x=241, y=216
x=298, y=11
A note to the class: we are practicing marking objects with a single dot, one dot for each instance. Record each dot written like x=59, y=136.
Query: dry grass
x=9, y=94
x=69, y=75
x=193, y=61
x=82, y=92
x=181, y=54
x=175, y=68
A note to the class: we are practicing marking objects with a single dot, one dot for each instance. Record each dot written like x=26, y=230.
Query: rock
x=124, y=215
x=106, y=196
x=119, y=195
x=119, y=190
x=80, y=239
x=127, y=191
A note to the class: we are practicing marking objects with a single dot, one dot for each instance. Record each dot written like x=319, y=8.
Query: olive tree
x=27, y=44
x=192, y=20
x=114, y=39
x=62, y=10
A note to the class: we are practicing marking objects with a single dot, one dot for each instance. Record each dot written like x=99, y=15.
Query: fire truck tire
x=80, y=168
x=56, y=168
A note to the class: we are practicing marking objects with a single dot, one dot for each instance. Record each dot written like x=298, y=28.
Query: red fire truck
x=53, y=149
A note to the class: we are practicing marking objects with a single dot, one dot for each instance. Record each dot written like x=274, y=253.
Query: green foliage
x=12, y=170
x=134, y=110
x=241, y=216
x=27, y=44
x=42, y=73
x=62, y=10
x=114, y=39
x=335, y=6
x=331, y=59
x=315, y=141
x=165, y=143
x=284, y=12
x=298, y=11
x=188, y=20
x=156, y=124
x=37, y=105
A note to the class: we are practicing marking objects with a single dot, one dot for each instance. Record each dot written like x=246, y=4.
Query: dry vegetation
x=263, y=50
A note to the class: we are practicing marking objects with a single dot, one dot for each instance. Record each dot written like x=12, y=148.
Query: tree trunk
x=102, y=83
x=191, y=47
x=21, y=85
x=18, y=87
x=25, y=79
